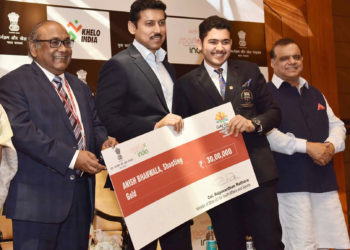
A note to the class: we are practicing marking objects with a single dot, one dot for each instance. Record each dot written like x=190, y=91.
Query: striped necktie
x=67, y=103
x=221, y=81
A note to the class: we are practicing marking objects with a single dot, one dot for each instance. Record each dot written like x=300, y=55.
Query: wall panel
x=341, y=26
x=309, y=23
x=287, y=18
x=341, y=8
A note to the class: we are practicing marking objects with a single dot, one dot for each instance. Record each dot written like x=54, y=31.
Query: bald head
x=42, y=41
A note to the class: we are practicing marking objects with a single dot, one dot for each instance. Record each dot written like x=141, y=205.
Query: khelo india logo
x=74, y=29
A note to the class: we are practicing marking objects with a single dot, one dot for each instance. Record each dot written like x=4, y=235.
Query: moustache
x=156, y=35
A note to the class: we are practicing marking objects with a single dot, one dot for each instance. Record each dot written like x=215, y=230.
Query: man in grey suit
x=57, y=135
x=134, y=93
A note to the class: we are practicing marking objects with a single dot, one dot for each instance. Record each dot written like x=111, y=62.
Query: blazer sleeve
x=181, y=106
x=112, y=91
x=28, y=138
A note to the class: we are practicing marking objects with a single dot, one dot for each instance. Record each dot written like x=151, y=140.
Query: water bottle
x=249, y=243
x=210, y=239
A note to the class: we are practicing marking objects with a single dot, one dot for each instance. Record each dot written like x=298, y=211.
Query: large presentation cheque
x=163, y=179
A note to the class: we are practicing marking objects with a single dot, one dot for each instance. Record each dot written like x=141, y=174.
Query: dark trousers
x=177, y=239
x=254, y=213
x=71, y=234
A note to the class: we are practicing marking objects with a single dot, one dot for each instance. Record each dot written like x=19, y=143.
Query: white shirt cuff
x=300, y=145
x=74, y=159
x=337, y=148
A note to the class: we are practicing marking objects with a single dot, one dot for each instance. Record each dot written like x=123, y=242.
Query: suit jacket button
x=72, y=177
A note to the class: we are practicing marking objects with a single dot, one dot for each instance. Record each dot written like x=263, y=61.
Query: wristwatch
x=257, y=124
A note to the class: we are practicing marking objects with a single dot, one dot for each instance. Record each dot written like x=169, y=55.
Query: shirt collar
x=147, y=54
x=277, y=81
x=48, y=74
x=211, y=69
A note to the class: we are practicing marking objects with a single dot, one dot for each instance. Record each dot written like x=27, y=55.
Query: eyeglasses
x=56, y=43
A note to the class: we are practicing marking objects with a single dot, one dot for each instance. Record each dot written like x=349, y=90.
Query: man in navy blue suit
x=57, y=134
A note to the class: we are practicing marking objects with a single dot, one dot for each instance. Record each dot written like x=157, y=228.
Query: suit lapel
x=208, y=85
x=47, y=87
x=149, y=74
x=233, y=82
x=49, y=90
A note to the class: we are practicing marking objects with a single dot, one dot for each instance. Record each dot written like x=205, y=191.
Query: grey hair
x=33, y=35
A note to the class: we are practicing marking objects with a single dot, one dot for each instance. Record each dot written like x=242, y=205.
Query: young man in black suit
x=216, y=81
x=135, y=91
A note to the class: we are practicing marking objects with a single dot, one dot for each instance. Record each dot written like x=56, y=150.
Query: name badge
x=247, y=99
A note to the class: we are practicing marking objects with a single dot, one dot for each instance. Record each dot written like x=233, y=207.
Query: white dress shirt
x=155, y=61
x=215, y=76
x=51, y=76
x=287, y=143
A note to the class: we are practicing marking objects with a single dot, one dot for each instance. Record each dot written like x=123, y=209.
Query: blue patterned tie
x=221, y=81
x=75, y=125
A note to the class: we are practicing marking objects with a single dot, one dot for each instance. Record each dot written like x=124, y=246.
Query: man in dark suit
x=134, y=93
x=219, y=80
x=57, y=134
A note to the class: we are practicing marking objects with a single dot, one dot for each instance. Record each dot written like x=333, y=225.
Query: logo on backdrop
x=87, y=35
x=13, y=37
x=241, y=35
x=182, y=41
x=248, y=42
x=13, y=18
x=73, y=30
x=189, y=40
x=88, y=28
x=16, y=22
x=81, y=74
